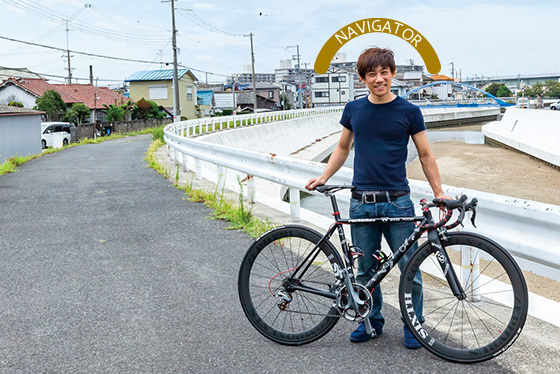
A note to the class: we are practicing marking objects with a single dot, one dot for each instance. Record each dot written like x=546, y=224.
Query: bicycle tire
x=483, y=325
x=264, y=268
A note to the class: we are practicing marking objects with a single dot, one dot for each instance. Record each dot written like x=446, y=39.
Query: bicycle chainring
x=344, y=304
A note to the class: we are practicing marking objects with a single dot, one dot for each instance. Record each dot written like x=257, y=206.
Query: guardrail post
x=171, y=154
x=198, y=169
x=295, y=209
x=221, y=178
x=185, y=163
x=470, y=272
x=251, y=189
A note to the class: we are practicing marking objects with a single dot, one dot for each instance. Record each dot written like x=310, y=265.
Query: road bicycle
x=294, y=284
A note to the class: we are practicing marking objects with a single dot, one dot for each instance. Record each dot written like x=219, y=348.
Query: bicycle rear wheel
x=277, y=310
x=484, y=324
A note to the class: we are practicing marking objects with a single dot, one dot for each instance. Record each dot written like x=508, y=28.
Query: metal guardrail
x=526, y=228
x=210, y=124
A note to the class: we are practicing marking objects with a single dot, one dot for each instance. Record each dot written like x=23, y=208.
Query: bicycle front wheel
x=484, y=324
x=271, y=294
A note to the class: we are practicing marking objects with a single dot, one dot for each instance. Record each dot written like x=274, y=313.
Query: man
x=380, y=126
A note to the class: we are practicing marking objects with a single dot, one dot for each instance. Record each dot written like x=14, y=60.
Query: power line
x=106, y=57
x=78, y=52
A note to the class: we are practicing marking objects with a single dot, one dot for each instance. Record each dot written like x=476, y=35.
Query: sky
x=482, y=38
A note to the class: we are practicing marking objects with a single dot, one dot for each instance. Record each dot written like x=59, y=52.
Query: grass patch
x=236, y=212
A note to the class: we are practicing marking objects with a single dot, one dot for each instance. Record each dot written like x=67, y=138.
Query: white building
x=335, y=87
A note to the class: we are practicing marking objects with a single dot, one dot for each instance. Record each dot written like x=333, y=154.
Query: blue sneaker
x=360, y=335
x=410, y=341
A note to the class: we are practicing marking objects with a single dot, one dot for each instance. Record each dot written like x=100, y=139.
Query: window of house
x=321, y=79
x=189, y=93
x=321, y=94
x=271, y=94
x=157, y=92
x=339, y=79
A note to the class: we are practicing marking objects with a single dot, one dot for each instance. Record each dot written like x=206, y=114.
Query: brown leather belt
x=372, y=197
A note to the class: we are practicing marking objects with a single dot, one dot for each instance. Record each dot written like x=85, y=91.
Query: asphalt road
x=105, y=268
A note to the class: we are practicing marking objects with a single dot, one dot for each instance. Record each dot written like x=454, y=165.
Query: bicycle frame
x=424, y=221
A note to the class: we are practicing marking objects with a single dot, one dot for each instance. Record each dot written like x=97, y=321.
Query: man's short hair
x=371, y=58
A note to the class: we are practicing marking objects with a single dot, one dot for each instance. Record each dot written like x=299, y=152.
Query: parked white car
x=55, y=134
x=522, y=103
x=555, y=106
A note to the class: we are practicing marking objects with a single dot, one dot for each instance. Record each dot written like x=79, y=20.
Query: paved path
x=105, y=268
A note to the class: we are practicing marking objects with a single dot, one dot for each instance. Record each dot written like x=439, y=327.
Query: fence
x=205, y=125
x=528, y=229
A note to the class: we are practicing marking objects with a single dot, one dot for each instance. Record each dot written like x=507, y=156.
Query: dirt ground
x=497, y=170
x=492, y=169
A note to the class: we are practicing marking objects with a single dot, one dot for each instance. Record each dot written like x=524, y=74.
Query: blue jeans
x=367, y=237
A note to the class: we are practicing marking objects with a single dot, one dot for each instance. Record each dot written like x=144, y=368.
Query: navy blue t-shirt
x=381, y=134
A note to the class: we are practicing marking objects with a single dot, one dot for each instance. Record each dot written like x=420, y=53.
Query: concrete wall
x=286, y=137
x=85, y=130
x=535, y=132
x=20, y=135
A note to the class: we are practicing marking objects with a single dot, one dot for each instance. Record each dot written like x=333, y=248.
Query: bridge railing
x=205, y=125
x=453, y=102
x=526, y=228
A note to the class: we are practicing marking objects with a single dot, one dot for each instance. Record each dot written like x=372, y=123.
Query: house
x=27, y=90
x=267, y=90
x=335, y=87
x=157, y=86
x=20, y=132
x=243, y=101
x=442, y=91
x=205, y=100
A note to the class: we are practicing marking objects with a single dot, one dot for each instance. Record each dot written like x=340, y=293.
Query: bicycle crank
x=345, y=305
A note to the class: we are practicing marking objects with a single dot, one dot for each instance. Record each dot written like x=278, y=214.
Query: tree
x=145, y=109
x=552, y=88
x=493, y=89
x=503, y=91
x=81, y=112
x=52, y=104
x=114, y=113
x=142, y=108
x=16, y=104
x=534, y=90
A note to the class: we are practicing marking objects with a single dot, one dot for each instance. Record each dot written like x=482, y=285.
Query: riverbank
x=492, y=169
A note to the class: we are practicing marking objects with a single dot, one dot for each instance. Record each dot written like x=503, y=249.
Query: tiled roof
x=70, y=93
x=6, y=110
x=85, y=93
x=440, y=77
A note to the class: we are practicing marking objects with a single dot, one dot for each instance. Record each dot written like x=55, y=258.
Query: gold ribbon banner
x=385, y=25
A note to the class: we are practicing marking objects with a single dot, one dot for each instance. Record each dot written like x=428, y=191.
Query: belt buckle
x=365, y=199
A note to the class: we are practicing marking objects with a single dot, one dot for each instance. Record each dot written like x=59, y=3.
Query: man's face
x=379, y=80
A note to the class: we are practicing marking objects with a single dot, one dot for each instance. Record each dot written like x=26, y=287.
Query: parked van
x=55, y=134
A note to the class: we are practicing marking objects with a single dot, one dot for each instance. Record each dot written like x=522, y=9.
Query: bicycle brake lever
x=473, y=216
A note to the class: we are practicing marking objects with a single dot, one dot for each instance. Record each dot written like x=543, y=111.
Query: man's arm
x=428, y=162
x=336, y=160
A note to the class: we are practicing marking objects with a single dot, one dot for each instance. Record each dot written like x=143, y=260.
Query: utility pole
x=176, y=96
x=253, y=70
x=68, y=54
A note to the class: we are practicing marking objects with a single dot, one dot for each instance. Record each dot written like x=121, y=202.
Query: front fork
x=446, y=265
